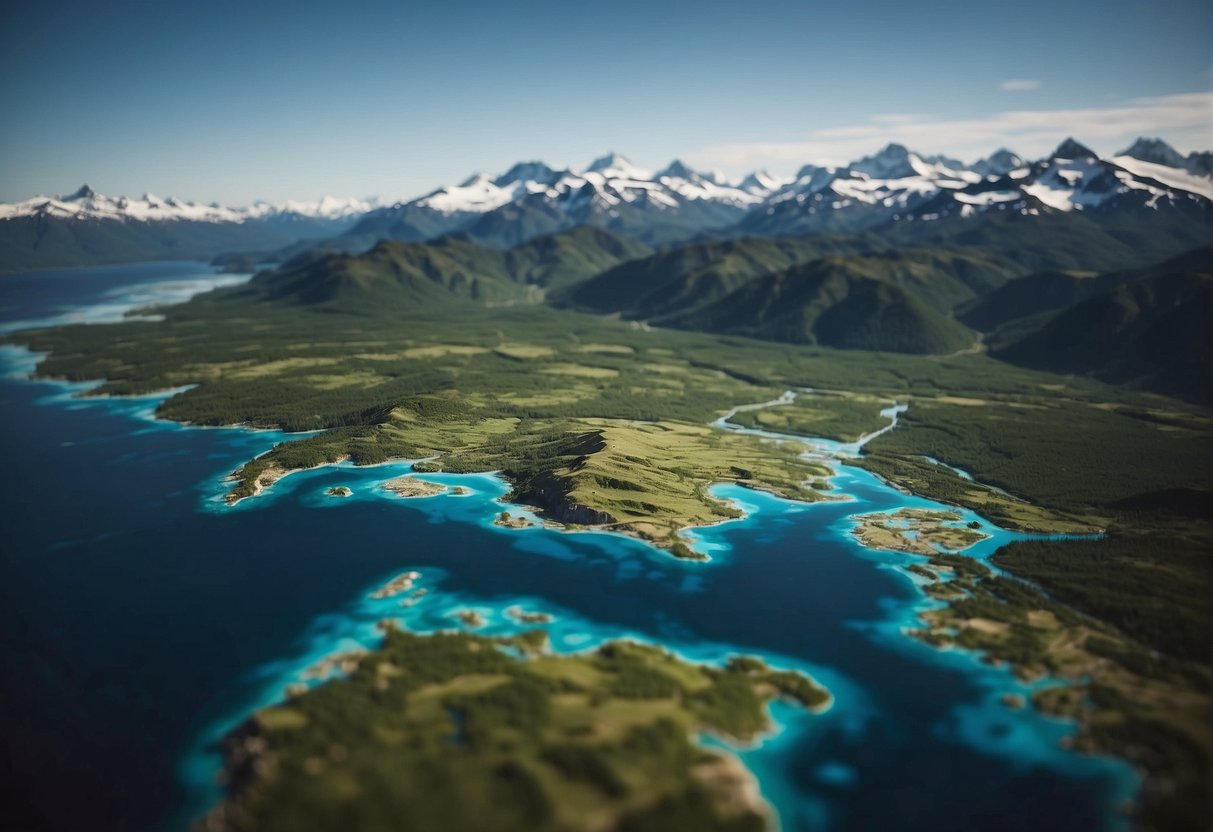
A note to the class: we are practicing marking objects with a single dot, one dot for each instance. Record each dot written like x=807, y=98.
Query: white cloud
x=1185, y=120
x=1018, y=85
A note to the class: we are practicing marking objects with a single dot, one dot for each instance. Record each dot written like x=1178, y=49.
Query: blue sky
x=239, y=101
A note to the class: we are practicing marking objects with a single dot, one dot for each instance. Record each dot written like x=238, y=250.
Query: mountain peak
x=808, y=170
x=535, y=171
x=478, y=178
x=83, y=192
x=760, y=181
x=1072, y=149
x=615, y=165
x=677, y=169
x=949, y=162
x=892, y=162
x=610, y=160
x=1156, y=151
x=893, y=150
x=1200, y=163
x=999, y=163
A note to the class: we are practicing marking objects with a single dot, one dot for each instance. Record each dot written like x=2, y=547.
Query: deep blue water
x=141, y=617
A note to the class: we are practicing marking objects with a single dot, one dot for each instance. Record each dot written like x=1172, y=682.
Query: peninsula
x=441, y=731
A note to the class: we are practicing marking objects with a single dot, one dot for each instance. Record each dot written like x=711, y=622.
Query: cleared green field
x=834, y=415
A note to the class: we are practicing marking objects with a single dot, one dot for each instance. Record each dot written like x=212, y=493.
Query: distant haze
x=235, y=102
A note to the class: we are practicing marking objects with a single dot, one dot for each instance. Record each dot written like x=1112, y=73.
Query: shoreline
x=363, y=631
x=970, y=655
x=651, y=544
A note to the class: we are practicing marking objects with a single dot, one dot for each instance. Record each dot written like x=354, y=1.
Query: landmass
x=525, y=617
x=338, y=491
x=414, y=597
x=397, y=586
x=1150, y=707
x=618, y=438
x=511, y=521
x=408, y=486
x=916, y=531
x=470, y=618
x=442, y=731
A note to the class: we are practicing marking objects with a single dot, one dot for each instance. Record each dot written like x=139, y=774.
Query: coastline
x=359, y=631
x=707, y=530
x=836, y=458
x=1007, y=682
x=331, y=646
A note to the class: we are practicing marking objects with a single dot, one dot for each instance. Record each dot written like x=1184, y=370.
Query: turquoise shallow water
x=158, y=618
x=1026, y=741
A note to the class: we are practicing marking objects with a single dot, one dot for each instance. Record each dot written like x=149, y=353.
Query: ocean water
x=143, y=617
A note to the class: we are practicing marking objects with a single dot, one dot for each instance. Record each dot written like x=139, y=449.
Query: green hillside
x=1050, y=291
x=685, y=277
x=826, y=303
x=1153, y=333
x=800, y=291
x=558, y=260
x=397, y=275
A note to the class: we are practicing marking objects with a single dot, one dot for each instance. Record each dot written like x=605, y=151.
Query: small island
x=409, y=486
x=414, y=597
x=510, y=521
x=397, y=586
x=916, y=531
x=524, y=617
x=458, y=727
x=470, y=618
x=338, y=491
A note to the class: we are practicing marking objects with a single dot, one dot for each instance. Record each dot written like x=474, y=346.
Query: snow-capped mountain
x=899, y=185
x=87, y=204
x=864, y=194
x=533, y=198
x=999, y=163
x=609, y=181
x=1076, y=178
x=325, y=208
x=895, y=186
x=87, y=228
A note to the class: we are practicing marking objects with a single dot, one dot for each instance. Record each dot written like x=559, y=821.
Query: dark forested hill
x=827, y=303
x=1054, y=290
x=395, y=274
x=1152, y=331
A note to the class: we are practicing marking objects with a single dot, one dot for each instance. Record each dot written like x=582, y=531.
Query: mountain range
x=896, y=191
x=893, y=187
x=1072, y=263
x=87, y=228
